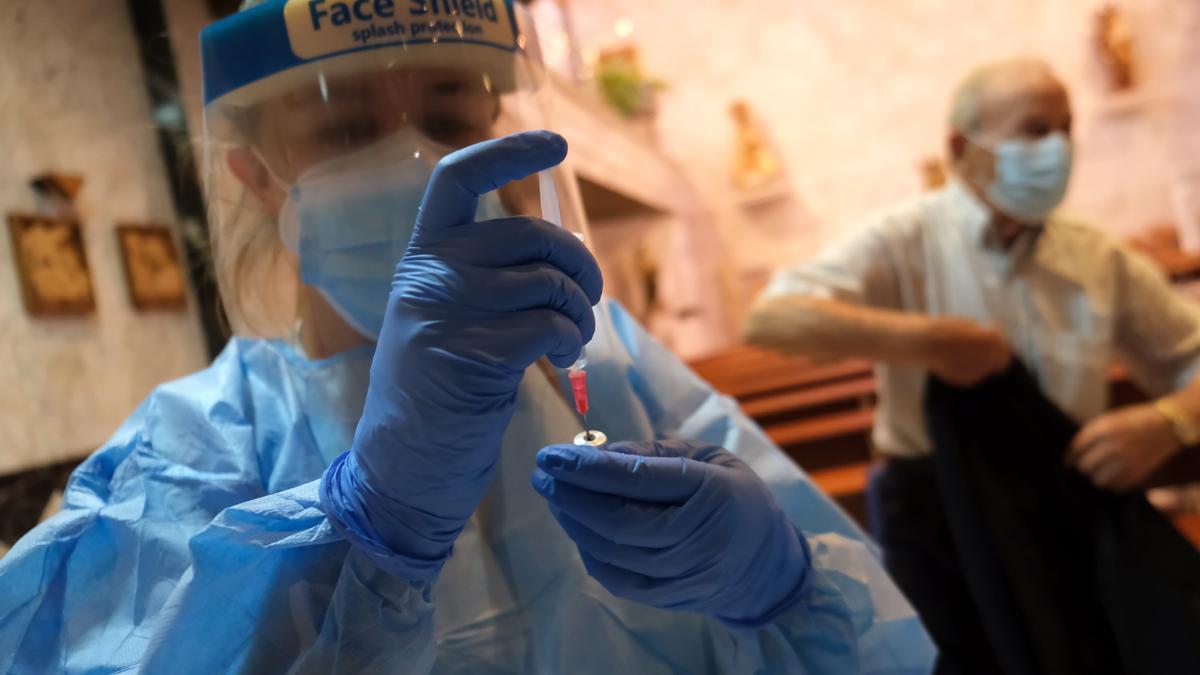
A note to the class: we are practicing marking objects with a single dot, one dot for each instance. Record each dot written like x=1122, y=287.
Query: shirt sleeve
x=1157, y=329
x=862, y=267
x=854, y=619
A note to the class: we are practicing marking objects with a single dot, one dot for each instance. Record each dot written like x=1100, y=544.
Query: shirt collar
x=1054, y=252
x=973, y=216
x=975, y=219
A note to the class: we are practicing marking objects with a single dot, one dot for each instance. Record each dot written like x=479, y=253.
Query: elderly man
x=958, y=281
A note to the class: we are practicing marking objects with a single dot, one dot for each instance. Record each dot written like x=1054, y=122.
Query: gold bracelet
x=1185, y=427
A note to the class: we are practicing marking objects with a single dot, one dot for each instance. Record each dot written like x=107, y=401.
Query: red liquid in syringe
x=579, y=390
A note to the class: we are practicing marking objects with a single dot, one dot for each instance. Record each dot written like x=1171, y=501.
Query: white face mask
x=1031, y=177
x=349, y=221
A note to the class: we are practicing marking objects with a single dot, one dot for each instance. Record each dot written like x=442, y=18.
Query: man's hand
x=1119, y=450
x=962, y=352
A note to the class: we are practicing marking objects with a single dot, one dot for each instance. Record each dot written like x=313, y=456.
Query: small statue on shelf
x=55, y=193
x=933, y=172
x=1114, y=40
x=755, y=163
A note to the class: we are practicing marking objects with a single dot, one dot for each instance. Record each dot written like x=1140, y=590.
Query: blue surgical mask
x=1031, y=177
x=349, y=221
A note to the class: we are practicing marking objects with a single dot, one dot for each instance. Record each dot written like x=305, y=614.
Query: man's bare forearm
x=824, y=328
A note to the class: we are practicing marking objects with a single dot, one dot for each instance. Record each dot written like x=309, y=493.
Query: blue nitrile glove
x=677, y=525
x=472, y=306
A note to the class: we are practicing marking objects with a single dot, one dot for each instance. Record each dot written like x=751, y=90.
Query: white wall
x=854, y=92
x=72, y=100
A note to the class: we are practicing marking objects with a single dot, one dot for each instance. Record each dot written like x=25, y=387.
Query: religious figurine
x=933, y=172
x=754, y=162
x=1114, y=39
x=55, y=193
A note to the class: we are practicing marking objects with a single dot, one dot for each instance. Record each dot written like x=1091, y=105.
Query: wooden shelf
x=612, y=153
x=603, y=204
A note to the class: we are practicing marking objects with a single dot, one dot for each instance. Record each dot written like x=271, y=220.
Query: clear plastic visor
x=379, y=120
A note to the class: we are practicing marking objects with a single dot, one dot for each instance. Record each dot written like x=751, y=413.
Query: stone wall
x=73, y=100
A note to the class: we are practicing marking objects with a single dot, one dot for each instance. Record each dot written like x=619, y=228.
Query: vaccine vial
x=591, y=437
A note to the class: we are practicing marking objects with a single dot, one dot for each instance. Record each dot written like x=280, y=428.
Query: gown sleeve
x=274, y=589
x=854, y=620
x=170, y=556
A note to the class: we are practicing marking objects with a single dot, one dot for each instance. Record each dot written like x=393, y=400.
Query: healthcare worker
x=384, y=487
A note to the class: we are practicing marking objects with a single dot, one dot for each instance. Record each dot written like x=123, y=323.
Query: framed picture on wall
x=51, y=265
x=152, y=270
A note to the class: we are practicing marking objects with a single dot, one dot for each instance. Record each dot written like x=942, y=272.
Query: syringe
x=578, y=379
x=576, y=373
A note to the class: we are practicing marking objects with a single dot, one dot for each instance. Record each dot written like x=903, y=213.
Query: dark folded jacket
x=1069, y=579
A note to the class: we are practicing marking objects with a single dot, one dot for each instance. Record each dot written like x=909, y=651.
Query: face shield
x=324, y=120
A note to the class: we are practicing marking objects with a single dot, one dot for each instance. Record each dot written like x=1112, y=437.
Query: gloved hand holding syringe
x=575, y=372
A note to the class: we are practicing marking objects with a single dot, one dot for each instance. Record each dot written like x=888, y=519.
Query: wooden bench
x=821, y=414
x=773, y=374
x=818, y=399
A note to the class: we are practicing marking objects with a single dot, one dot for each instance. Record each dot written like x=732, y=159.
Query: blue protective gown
x=193, y=542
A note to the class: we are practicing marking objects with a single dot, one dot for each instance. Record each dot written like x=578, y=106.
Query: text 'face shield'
x=323, y=122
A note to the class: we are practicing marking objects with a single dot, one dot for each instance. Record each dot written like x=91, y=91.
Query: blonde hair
x=257, y=276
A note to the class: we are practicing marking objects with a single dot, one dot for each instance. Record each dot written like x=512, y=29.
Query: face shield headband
x=269, y=48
